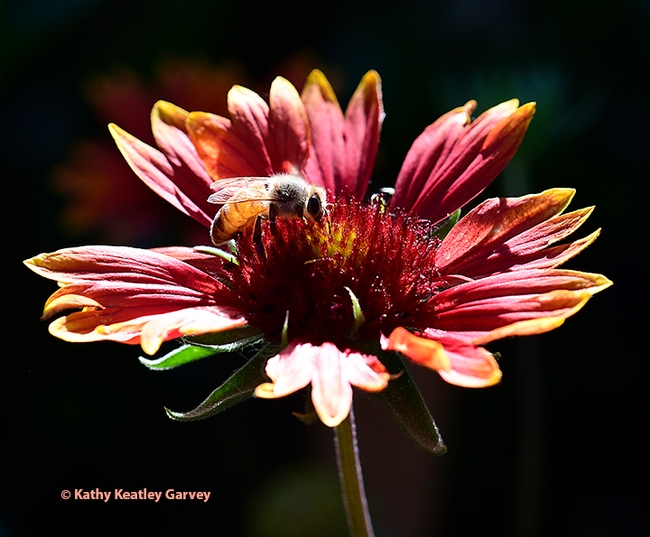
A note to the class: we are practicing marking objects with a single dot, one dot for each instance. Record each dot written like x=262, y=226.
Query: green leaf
x=239, y=387
x=445, y=226
x=406, y=404
x=227, y=340
x=180, y=356
x=205, y=345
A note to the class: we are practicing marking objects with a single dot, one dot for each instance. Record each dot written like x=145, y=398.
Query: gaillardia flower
x=334, y=296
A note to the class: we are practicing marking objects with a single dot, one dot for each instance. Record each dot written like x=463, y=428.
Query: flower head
x=334, y=295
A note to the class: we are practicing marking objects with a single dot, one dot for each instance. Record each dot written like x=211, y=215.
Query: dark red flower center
x=311, y=273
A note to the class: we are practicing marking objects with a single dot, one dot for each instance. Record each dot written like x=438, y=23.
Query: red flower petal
x=168, y=124
x=258, y=140
x=288, y=142
x=249, y=114
x=472, y=310
x=131, y=296
x=343, y=147
x=457, y=361
x=178, y=176
x=148, y=330
x=453, y=160
x=471, y=366
x=120, y=264
x=506, y=233
x=223, y=151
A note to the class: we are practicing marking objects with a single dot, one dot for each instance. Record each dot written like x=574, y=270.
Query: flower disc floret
x=312, y=271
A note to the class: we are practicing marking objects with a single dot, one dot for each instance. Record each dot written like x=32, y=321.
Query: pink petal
x=291, y=370
x=365, y=371
x=205, y=262
x=543, y=258
x=331, y=391
x=363, y=119
x=332, y=374
x=426, y=352
x=427, y=155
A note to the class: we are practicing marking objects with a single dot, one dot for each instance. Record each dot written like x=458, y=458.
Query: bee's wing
x=226, y=189
x=224, y=195
x=236, y=182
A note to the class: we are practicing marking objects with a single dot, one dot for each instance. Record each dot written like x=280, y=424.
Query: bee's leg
x=272, y=224
x=328, y=223
x=257, y=237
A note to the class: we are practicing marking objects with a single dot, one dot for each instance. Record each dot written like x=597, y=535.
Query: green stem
x=354, y=495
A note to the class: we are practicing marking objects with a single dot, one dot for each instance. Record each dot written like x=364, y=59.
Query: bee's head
x=316, y=204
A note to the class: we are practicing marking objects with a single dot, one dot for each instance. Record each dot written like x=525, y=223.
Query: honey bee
x=247, y=200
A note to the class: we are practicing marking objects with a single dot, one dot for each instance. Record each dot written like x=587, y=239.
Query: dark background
x=556, y=449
